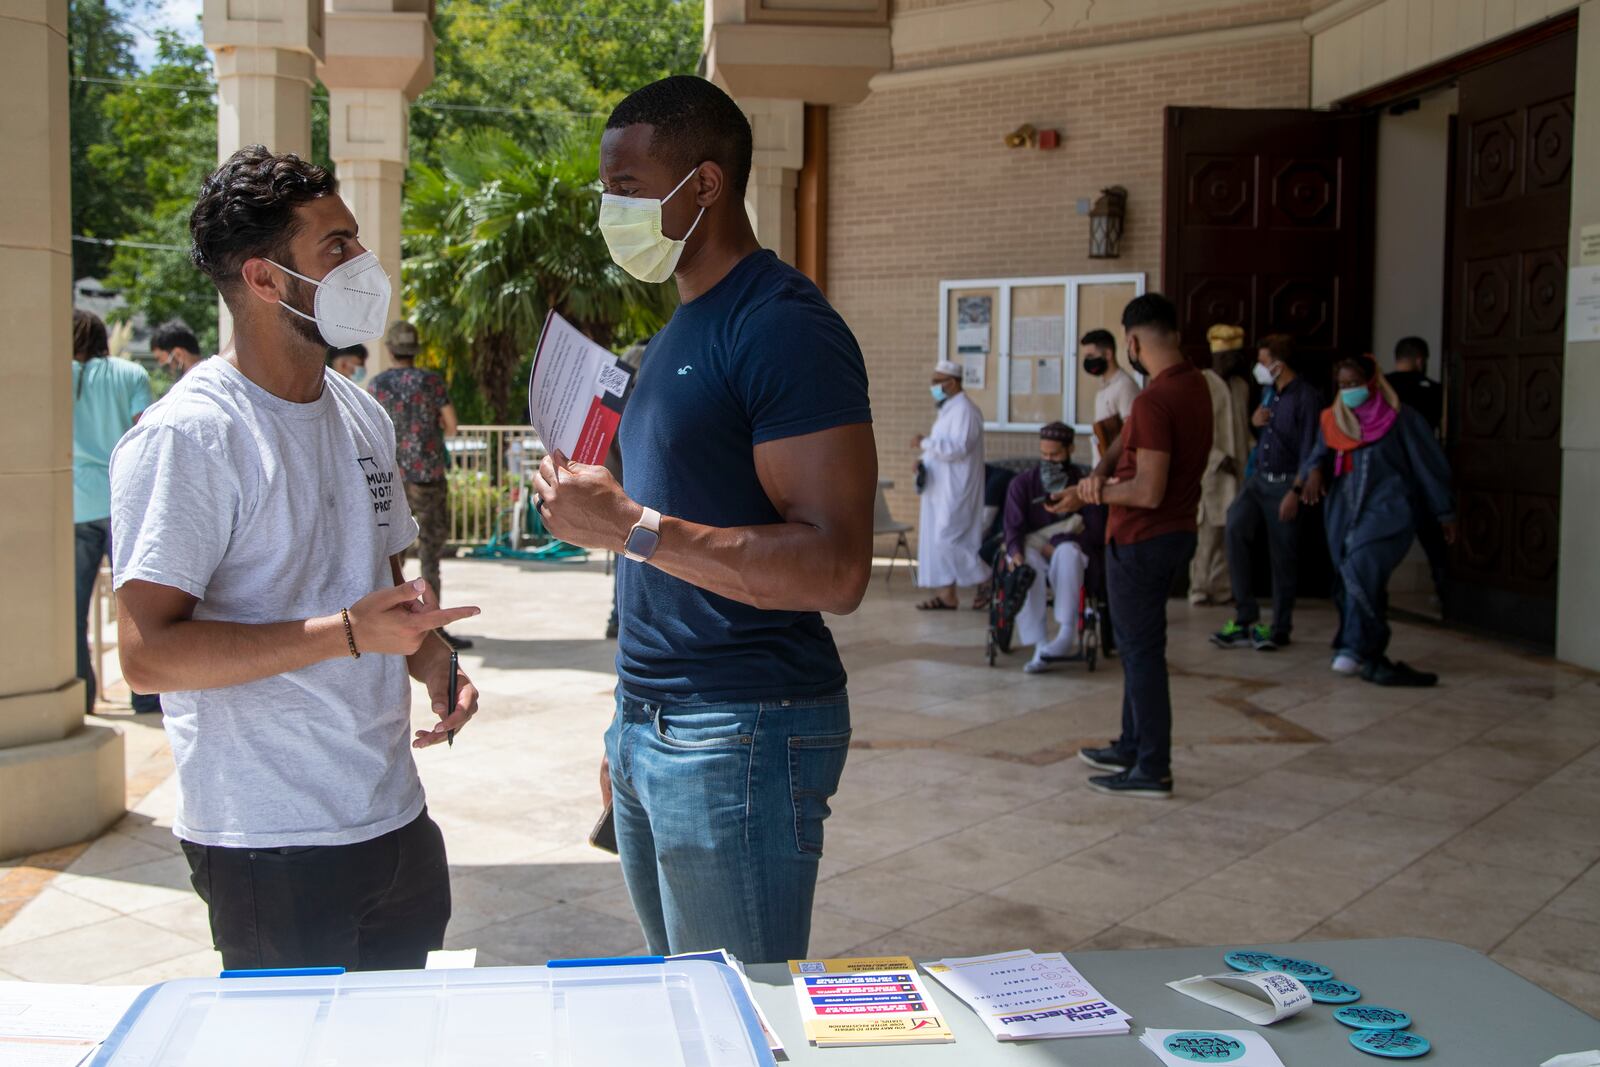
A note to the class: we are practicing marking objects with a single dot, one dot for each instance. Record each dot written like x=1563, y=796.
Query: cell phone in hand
x=604, y=834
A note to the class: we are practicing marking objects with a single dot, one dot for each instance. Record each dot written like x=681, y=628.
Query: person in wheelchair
x=1063, y=551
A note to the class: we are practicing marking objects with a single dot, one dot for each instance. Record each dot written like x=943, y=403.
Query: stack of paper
x=728, y=959
x=58, y=1025
x=866, y=1002
x=1024, y=995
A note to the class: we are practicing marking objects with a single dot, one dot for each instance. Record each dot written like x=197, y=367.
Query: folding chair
x=883, y=524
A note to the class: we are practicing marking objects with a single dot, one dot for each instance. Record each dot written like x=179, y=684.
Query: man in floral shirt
x=423, y=417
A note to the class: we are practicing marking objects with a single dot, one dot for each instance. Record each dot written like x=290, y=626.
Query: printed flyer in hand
x=576, y=392
x=866, y=1002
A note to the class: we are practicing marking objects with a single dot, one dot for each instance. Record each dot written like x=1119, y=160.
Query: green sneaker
x=1233, y=635
x=1261, y=638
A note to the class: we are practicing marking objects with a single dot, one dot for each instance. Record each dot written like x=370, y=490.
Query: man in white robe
x=952, y=493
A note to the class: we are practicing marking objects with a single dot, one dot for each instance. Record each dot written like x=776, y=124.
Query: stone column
x=266, y=54
x=379, y=58
x=777, y=127
x=61, y=780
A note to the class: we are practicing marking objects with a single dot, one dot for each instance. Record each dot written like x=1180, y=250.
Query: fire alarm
x=1049, y=139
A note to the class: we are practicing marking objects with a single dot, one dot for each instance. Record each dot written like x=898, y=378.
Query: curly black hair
x=246, y=209
x=694, y=121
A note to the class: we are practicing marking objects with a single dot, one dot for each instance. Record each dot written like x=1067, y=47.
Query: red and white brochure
x=576, y=392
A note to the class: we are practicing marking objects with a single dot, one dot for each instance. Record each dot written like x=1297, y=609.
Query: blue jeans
x=92, y=544
x=719, y=811
x=1141, y=577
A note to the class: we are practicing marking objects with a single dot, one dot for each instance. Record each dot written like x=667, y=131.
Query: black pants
x=1431, y=536
x=1140, y=576
x=378, y=905
x=1257, y=507
x=91, y=545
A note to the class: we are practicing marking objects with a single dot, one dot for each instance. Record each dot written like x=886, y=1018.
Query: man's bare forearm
x=1108, y=462
x=786, y=566
x=194, y=654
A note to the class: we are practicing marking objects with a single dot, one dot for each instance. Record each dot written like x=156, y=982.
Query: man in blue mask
x=745, y=513
x=950, y=479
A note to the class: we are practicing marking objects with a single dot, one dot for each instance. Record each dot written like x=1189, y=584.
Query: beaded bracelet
x=349, y=634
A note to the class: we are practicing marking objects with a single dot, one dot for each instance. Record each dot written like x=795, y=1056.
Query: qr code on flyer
x=614, y=380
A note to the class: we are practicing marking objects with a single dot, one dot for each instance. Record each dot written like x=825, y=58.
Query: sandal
x=935, y=604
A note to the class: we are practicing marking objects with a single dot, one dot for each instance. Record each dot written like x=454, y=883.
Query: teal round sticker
x=1304, y=970
x=1395, y=1044
x=1372, y=1017
x=1248, y=961
x=1204, y=1046
x=1332, y=992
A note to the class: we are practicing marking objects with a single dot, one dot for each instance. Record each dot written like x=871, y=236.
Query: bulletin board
x=1017, y=342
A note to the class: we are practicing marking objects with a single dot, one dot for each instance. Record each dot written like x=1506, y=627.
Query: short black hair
x=89, y=335
x=1414, y=347
x=694, y=122
x=359, y=351
x=1100, y=339
x=174, y=333
x=246, y=209
x=1150, y=310
x=1280, y=346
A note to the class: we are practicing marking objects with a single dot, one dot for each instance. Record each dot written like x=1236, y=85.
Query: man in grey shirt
x=258, y=526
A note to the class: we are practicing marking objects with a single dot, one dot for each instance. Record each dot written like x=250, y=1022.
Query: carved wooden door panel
x=1268, y=225
x=1507, y=300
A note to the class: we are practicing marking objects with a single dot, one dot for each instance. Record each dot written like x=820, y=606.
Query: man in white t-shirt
x=1098, y=351
x=258, y=527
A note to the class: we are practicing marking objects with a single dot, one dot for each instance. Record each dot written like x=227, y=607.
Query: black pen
x=450, y=699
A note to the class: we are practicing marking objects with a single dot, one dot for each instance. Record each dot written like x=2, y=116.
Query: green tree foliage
x=166, y=142
x=500, y=233
x=100, y=54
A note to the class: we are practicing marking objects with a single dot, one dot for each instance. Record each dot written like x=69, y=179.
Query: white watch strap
x=650, y=520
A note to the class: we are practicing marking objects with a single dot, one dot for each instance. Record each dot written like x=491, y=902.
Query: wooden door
x=1509, y=213
x=1268, y=225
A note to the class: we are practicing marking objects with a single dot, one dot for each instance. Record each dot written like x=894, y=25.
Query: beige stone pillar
x=379, y=58
x=1578, y=602
x=266, y=54
x=777, y=128
x=61, y=780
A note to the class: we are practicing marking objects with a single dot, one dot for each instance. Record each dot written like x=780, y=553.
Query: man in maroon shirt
x=1151, y=479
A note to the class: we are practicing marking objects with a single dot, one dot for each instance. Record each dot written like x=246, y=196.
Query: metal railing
x=490, y=469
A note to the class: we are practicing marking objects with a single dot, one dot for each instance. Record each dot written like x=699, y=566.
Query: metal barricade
x=487, y=464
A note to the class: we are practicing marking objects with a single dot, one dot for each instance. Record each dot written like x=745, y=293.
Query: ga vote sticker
x=1333, y=992
x=1204, y=1046
x=1372, y=1017
x=1248, y=961
x=1395, y=1044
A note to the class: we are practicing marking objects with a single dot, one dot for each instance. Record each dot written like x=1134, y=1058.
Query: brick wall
x=922, y=189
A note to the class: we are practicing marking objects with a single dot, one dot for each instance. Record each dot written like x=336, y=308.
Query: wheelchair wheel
x=1091, y=648
x=991, y=648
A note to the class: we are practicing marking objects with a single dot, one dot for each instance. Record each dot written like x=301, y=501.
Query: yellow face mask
x=631, y=226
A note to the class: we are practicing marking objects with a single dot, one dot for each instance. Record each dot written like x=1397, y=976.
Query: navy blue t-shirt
x=760, y=357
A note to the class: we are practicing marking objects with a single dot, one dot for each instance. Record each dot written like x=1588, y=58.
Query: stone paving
x=1308, y=806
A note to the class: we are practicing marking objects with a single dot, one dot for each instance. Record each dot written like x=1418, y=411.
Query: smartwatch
x=644, y=538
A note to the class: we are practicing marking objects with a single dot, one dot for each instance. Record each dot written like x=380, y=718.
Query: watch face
x=643, y=542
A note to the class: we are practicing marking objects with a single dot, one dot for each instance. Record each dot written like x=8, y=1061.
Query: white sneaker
x=1346, y=664
x=1038, y=665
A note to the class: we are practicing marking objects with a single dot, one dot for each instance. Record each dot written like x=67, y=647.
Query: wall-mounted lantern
x=1105, y=223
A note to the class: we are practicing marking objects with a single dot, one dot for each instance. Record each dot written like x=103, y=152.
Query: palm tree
x=500, y=234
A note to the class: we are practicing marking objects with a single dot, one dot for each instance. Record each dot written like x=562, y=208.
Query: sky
x=180, y=15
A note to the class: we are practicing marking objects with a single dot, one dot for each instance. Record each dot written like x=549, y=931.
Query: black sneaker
x=1382, y=672
x=1128, y=784
x=1262, y=638
x=1234, y=635
x=1105, y=759
x=460, y=644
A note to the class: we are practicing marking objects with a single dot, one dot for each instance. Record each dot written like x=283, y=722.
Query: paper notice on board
x=576, y=392
x=1260, y=997
x=1038, y=335
x=1589, y=246
x=1021, y=377
x=1583, y=304
x=1047, y=377
x=974, y=370
x=973, y=316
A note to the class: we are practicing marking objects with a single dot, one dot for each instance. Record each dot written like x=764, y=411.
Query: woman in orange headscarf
x=1373, y=458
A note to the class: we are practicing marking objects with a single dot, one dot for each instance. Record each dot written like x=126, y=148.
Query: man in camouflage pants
x=423, y=417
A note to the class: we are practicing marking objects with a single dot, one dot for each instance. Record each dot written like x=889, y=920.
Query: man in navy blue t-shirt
x=746, y=511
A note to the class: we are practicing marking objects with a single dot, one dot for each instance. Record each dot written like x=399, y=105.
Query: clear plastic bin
x=686, y=1013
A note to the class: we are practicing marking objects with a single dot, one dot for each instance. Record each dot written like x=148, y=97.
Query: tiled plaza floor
x=1308, y=806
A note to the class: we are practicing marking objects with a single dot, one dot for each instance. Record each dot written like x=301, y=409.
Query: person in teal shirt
x=108, y=396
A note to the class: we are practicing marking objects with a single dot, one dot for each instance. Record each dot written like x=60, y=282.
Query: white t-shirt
x=269, y=511
x=1116, y=396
